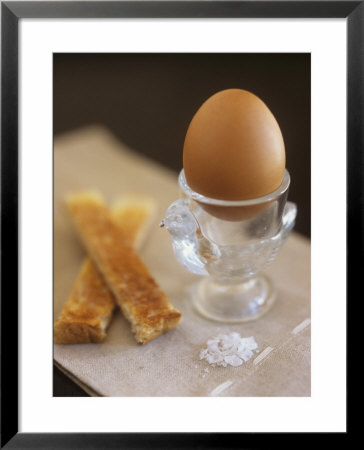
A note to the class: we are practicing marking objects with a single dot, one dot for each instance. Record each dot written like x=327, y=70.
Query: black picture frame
x=11, y=13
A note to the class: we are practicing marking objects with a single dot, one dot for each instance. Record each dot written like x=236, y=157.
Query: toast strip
x=88, y=311
x=141, y=300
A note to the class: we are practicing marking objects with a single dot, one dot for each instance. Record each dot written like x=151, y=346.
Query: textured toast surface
x=88, y=310
x=140, y=298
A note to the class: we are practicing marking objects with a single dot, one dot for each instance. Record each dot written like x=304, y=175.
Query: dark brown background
x=148, y=100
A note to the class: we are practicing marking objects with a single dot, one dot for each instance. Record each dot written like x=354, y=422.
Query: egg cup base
x=233, y=303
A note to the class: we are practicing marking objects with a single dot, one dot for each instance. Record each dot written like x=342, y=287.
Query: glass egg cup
x=230, y=243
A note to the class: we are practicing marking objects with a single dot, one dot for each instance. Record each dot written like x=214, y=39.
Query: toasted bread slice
x=141, y=300
x=88, y=311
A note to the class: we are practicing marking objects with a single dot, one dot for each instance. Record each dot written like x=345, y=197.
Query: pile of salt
x=229, y=349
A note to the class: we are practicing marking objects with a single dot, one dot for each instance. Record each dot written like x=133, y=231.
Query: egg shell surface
x=234, y=149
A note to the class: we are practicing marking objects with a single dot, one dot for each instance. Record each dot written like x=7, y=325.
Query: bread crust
x=88, y=310
x=141, y=300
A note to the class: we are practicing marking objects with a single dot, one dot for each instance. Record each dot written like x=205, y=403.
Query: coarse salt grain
x=229, y=349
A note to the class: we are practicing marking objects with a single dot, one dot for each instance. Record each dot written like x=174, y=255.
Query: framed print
x=99, y=95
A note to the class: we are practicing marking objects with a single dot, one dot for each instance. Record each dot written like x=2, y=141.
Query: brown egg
x=234, y=148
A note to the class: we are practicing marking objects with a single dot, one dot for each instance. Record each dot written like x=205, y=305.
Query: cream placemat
x=170, y=365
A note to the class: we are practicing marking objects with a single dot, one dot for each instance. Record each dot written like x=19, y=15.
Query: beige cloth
x=170, y=365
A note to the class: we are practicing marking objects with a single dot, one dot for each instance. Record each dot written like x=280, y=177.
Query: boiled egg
x=234, y=149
